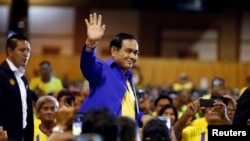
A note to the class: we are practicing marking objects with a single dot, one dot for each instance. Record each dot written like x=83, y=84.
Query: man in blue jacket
x=110, y=82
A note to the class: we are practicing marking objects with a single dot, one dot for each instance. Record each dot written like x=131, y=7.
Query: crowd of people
x=112, y=107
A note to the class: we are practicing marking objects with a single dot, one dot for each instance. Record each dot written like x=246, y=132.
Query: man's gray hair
x=44, y=99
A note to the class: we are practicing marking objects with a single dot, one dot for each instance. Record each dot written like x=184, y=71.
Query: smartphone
x=77, y=124
x=167, y=122
x=140, y=95
x=77, y=128
x=223, y=99
x=207, y=102
x=69, y=101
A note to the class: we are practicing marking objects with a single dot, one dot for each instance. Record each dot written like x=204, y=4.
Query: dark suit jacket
x=11, y=116
x=242, y=113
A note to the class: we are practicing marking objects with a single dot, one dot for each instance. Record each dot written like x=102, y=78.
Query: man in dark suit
x=16, y=114
x=242, y=113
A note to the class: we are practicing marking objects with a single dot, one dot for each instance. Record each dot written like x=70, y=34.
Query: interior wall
x=70, y=35
x=52, y=28
x=4, y=17
x=245, y=38
x=192, y=43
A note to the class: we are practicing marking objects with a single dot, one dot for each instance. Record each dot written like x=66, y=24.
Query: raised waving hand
x=95, y=29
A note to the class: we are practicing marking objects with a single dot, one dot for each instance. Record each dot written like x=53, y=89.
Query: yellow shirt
x=206, y=96
x=39, y=135
x=201, y=122
x=194, y=133
x=37, y=122
x=54, y=85
x=187, y=86
x=128, y=102
x=197, y=131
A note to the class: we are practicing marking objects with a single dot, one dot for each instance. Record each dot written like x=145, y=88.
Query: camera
x=207, y=102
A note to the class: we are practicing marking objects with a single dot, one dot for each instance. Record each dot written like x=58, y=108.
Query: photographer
x=66, y=97
x=192, y=108
x=144, y=101
x=215, y=114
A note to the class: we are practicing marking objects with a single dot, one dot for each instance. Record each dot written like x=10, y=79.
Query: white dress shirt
x=19, y=72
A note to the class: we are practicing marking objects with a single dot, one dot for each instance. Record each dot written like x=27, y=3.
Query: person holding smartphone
x=65, y=97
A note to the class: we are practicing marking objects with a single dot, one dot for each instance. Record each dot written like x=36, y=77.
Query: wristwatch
x=57, y=129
